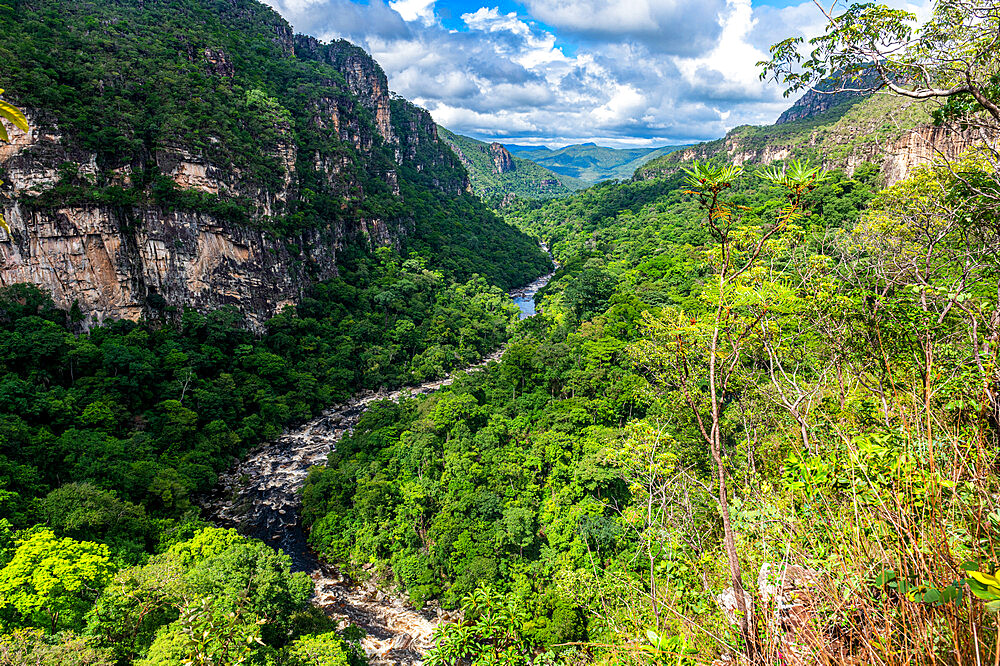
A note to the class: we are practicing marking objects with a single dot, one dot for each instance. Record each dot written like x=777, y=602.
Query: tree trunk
x=715, y=444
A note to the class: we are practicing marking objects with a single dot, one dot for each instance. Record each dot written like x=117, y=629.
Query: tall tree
x=710, y=353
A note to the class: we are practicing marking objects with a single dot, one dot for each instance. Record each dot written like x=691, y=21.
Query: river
x=260, y=498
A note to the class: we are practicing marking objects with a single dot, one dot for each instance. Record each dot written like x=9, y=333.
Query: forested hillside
x=573, y=479
x=216, y=230
x=496, y=174
x=591, y=163
x=197, y=153
x=754, y=421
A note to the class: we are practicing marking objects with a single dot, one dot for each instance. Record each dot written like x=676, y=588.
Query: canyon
x=260, y=497
x=213, y=218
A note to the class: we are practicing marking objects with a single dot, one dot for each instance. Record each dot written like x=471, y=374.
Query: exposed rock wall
x=114, y=264
x=503, y=162
x=135, y=259
x=922, y=146
x=364, y=78
x=898, y=156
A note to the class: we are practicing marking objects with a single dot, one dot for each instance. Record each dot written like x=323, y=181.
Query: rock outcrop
x=188, y=219
x=920, y=146
x=117, y=267
x=365, y=79
x=892, y=135
x=503, y=162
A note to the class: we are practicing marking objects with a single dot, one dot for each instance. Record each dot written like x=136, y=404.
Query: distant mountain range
x=494, y=172
x=589, y=162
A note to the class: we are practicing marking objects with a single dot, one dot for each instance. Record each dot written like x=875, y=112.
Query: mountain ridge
x=495, y=172
x=234, y=163
x=590, y=162
x=894, y=133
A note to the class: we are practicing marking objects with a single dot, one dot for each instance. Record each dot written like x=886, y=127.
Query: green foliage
x=985, y=586
x=206, y=635
x=216, y=598
x=51, y=582
x=31, y=647
x=137, y=417
x=526, y=180
x=86, y=513
x=329, y=649
x=490, y=635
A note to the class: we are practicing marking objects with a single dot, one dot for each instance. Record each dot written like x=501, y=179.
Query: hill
x=217, y=230
x=589, y=162
x=494, y=172
x=191, y=153
x=836, y=131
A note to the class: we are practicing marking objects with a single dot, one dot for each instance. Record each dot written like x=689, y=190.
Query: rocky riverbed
x=260, y=498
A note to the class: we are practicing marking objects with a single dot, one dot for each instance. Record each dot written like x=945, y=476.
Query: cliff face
x=503, y=162
x=90, y=256
x=367, y=83
x=246, y=204
x=889, y=132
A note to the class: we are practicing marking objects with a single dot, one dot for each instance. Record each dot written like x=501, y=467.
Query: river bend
x=260, y=498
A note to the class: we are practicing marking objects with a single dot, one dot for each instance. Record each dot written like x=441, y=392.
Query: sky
x=629, y=73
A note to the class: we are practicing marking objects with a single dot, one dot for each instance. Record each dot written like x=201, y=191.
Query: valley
x=294, y=371
x=591, y=163
x=260, y=497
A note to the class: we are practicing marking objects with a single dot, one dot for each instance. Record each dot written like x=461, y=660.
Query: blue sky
x=554, y=72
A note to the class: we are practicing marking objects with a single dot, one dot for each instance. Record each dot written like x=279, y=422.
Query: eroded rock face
x=503, y=162
x=813, y=103
x=219, y=63
x=921, y=147
x=365, y=80
x=111, y=265
x=111, y=260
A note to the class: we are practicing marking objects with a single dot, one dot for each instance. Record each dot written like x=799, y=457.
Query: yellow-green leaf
x=14, y=115
x=985, y=579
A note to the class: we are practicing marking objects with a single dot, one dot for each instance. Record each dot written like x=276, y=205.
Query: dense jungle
x=752, y=417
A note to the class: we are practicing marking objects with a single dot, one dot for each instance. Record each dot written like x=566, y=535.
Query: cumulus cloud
x=645, y=72
x=414, y=10
x=679, y=27
x=343, y=18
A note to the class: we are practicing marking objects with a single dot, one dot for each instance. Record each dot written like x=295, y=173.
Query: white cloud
x=626, y=105
x=666, y=26
x=415, y=10
x=642, y=72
